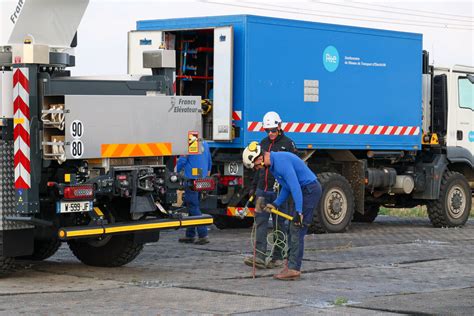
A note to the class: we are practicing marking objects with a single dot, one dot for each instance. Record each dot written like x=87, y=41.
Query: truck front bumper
x=67, y=233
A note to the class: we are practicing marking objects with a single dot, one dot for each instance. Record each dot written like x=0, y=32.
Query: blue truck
x=376, y=122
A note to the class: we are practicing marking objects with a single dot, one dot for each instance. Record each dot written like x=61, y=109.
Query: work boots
x=262, y=264
x=287, y=275
x=190, y=240
x=275, y=263
x=186, y=240
x=202, y=241
x=259, y=263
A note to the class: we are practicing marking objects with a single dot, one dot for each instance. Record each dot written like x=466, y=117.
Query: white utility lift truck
x=84, y=160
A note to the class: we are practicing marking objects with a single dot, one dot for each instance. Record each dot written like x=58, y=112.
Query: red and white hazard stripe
x=237, y=115
x=321, y=128
x=21, y=128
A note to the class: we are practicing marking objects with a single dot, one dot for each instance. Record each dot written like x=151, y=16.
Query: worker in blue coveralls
x=201, y=162
x=295, y=178
x=265, y=189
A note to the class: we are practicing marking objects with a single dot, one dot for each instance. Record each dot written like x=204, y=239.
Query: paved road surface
x=395, y=265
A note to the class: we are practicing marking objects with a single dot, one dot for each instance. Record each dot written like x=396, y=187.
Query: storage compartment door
x=6, y=97
x=222, y=88
x=139, y=42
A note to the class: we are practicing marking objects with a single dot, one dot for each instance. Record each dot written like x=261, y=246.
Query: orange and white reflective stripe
x=135, y=150
x=322, y=128
x=21, y=128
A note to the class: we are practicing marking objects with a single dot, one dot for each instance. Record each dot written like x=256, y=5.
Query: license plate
x=73, y=207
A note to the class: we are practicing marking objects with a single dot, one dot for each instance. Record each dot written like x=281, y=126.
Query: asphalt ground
x=392, y=266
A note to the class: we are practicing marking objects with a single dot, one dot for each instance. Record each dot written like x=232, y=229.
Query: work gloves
x=269, y=207
x=298, y=220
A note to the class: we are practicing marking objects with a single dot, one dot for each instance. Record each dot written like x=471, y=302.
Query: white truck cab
x=460, y=112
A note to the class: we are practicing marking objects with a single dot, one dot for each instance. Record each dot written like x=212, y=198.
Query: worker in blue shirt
x=202, y=163
x=297, y=179
x=265, y=189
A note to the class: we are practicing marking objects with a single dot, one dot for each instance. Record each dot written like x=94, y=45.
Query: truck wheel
x=336, y=206
x=118, y=251
x=43, y=249
x=454, y=203
x=6, y=265
x=371, y=213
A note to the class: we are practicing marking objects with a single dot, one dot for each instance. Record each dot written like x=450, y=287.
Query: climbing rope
x=277, y=239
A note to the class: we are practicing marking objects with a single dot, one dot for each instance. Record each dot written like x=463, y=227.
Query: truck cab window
x=466, y=93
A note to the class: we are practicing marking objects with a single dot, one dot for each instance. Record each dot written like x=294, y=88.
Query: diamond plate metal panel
x=7, y=187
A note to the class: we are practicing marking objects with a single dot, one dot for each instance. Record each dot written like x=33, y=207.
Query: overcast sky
x=447, y=26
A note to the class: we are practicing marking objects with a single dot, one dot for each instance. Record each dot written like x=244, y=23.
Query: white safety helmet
x=251, y=152
x=271, y=120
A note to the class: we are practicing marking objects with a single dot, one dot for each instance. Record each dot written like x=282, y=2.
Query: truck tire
x=118, y=251
x=6, y=265
x=371, y=213
x=43, y=249
x=336, y=206
x=454, y=203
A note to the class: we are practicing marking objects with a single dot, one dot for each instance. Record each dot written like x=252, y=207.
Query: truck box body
x=335, y=87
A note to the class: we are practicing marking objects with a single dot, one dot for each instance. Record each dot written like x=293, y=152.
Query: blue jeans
x=311, y=196
x=261, y=220
x=191, y=198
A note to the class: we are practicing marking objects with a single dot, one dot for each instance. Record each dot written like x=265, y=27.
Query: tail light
x=230, y=180
x=79, y=192
x=203, y=185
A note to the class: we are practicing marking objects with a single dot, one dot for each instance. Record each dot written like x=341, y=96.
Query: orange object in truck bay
x=135, y=150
